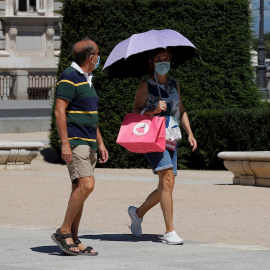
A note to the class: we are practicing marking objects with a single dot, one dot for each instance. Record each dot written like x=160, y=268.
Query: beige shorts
x=83, y=163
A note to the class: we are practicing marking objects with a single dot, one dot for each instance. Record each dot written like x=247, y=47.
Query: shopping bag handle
x=142, y=112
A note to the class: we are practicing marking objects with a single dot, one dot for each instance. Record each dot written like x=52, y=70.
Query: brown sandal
x=59, y=239
x=87, y=250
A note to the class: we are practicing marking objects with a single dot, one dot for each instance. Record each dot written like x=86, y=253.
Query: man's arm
x=104, y=155
x=61, y=123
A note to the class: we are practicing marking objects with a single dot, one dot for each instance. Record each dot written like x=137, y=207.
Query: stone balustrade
x=249, y=168
x=18, y=155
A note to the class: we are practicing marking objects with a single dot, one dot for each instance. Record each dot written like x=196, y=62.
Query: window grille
x=30, y=6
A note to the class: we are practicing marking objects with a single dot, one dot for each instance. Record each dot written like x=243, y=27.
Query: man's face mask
x=162, y=68
x=97, y=64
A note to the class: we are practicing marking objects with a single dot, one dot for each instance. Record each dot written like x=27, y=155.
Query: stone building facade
x=29, y=48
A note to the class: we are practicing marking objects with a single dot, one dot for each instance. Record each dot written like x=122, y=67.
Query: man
x=76, y=114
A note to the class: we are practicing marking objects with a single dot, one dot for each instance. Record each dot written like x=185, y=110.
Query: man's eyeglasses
x=98, y=54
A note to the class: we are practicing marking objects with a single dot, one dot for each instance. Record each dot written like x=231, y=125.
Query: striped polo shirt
x=82, y=112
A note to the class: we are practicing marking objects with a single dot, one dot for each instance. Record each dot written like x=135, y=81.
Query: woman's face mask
x=162, y=68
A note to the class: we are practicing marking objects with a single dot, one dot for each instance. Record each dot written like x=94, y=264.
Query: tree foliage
x=221, y=78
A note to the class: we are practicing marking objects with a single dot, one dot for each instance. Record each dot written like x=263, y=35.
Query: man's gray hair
x=82, y=50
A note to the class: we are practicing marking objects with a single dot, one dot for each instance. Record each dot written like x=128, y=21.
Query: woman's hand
x=162, y=106
x=192, y=142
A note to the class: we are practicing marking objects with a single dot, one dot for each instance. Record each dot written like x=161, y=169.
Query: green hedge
x=222, y=78
x=225, y=130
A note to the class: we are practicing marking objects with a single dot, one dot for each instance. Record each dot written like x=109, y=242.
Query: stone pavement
x=33, y=249
x=223, y=226
x=25, y=104
x=18, y=116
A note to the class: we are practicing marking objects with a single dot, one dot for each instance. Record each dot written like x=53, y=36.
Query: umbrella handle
x=158, y=86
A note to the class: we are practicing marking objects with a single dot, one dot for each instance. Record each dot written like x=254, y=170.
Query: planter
x=249, y=168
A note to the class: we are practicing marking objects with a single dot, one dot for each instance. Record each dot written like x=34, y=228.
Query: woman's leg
x=152, y=200
x=166, y=184
x=162, y=194
x=136, y=214
x=159, y=162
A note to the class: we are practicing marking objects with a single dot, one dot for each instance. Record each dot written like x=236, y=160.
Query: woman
x=148, y=101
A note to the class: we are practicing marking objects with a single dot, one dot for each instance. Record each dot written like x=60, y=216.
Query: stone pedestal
x=18, y=155
x=249, y=168
x=20, y=84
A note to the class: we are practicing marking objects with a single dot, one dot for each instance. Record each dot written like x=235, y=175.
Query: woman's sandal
x=86, y=251
x=59, y=239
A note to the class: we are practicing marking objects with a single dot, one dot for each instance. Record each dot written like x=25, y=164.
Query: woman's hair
x=152, y=56
x=82, y=50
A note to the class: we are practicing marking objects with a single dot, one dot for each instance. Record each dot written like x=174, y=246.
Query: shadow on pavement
x=51, y=250
x=51, y=156
x=224, y=185
x=123, y=237
x=55, y=250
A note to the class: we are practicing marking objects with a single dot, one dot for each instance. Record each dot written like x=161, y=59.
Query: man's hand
x=66, y=152
x=104, y=155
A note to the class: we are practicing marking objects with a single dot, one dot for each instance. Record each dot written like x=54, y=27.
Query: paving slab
x=25, y=104
x=22, y=116
x=33, y=249
x=224, y=226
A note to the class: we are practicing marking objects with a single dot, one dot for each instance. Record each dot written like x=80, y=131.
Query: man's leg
x=76, y=222
x=75, y=227
x=80, y=192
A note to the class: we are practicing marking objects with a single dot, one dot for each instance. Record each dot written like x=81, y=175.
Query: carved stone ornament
x=12, y=38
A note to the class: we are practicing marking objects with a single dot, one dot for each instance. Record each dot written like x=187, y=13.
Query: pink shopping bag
x=142, y=134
